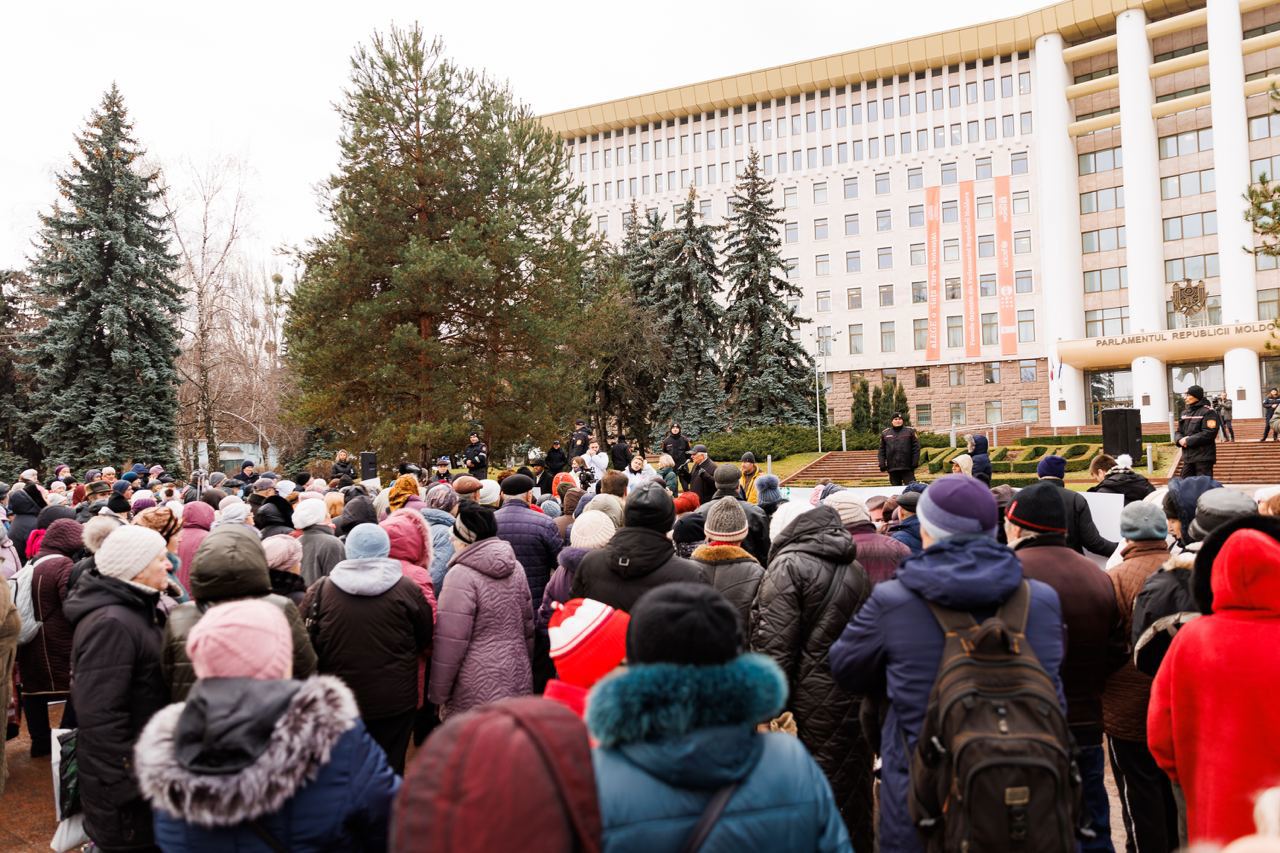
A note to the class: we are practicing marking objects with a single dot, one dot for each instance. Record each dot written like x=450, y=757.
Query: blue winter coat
x=981, y=458
x=895, y=641
x=536, y=541
x=907, y=531
x=441, y=524
x=671, y=735
x=317, y=735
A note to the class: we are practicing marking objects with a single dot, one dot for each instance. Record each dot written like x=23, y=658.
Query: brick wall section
x=940, y=393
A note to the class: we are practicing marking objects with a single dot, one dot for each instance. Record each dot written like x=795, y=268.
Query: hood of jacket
x=198, y=514
x=21, y=503
x=358, y=510
x=963, y=572
x=691, y=726
x=94, y=591
x=274, y=512
x=1186, y=492
x=368, y=576
x=816, y=533
x=571, y=557
x=492, y=557
x=239, y=749
x=410, y=537
x=636, y=551
x=1244, y=576
x=1207, y=565
x=979, y=444
x=230, y=563
x=50, y=514
x=437, y=517
x=571, y=498
x=64, y=537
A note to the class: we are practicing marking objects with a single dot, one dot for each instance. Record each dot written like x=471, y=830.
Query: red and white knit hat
x=588, y=640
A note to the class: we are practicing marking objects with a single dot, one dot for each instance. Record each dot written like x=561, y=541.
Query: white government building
x=1023, y=221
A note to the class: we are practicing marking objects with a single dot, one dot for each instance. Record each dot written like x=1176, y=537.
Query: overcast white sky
x=257, y=80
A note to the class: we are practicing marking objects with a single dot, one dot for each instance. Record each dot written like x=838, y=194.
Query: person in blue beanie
x=1082, y=533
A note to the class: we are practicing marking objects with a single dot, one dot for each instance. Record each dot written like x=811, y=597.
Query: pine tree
x=768, y=374
x=685, y=286
x=861, y=406
x=900, y=402
x=104, y=385
x=18, y=319
x=877, y=408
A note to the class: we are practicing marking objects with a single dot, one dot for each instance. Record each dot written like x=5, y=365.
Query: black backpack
x=993, y=769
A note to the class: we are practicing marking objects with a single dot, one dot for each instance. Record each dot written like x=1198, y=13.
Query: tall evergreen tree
x=900, y=402
x=104, y=385
x=878, y=420
x=18, y=319
x=768, y=373
x=686, y=285
x=861, y=406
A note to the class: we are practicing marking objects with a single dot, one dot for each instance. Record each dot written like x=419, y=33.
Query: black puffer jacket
x=788, y=625
x=23, y=512
x=635, y=561
x=734, y=572
x=115, y=686
x=274, y=517
x=1123, y=481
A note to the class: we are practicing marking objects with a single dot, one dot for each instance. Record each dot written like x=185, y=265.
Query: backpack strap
x=710, y=815
x=1016, y=608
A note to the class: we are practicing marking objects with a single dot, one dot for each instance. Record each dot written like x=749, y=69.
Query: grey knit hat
x=726, y=521
x=1218, y=506
x=1141, y=521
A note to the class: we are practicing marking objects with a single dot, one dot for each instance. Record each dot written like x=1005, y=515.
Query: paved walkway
x=27, y=802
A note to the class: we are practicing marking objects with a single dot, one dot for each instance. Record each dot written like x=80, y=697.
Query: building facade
x=1022, y=222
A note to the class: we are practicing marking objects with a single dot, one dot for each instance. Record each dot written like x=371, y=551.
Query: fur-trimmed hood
x=713, y=554
x=320, y=711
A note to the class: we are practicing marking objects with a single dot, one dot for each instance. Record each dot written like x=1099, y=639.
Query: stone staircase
x=839, y=466
x=1246, y=460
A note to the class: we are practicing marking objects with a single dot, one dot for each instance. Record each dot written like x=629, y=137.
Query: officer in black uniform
x=579, y=440
x=475, y=457
x=899, y=452
x=1197, y=434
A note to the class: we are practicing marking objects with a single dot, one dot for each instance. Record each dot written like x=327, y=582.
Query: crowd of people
x=591, y=651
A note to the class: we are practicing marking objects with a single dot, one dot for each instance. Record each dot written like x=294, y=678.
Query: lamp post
x=823, y=342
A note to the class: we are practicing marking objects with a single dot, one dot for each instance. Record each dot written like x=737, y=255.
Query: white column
x=1231, y=164
x=1058, y=218
x=1145, y=240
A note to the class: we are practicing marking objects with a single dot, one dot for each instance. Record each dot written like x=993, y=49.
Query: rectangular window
x=850, y=187
x=989, y=89
x=971, y=131
x=937, y=99
x=882, y=183
x=821, y=264
x=987, y=284
x=951, y=288
x=1106, y=321
x=939, y=137
x=1021, y=242
x=811, y=122
x=811, y=156
x=971, y=92
x=982, y=168
x=1269, y=304
x=986, y=208
x=853, y=298
x=1194, y=267
x=791, y=267
x=873, y=111
x=1006, y=86
x=919, y=341
x=855, y=339
x=820, y=193
x=1024, y=123
x=951, y=250
x=919, y=292
x=842, y=116
x=953, y=96
x=853, y=261
x=989, y=329
x=924, y=414
x=1024, y=83
x=1022, y=202
x=955, y=372
x=842, y=152
x=986, y=245
x=1006, y=122
x=915, y=215
x=1026, y=326
x=1017, y=160
x=737, y=135
x=1023, y=282
x=948, y=173
x=922, y=102
x=922, y=373
x=991, y=373
x=886, y=108
x=884, y=220
x=826, y=119
x=824, y=342
x=1031, y=411
x=918, y=256
x=886, y=336
x=922, y=140
x=915, y=178
x=819, y=229
x=822, y=303
x=904, y=141
x=950, y=211
x=886, y=296
x=851, y=225
x=826, y=155
x=1027, y=370
x=790, y=198
x=884, y=258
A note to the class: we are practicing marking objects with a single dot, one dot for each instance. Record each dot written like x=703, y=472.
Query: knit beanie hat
x=551, y=507
x=490, y=493
x=851, y=508
x=727, y=476
x=1039, y=509
x=593, y=529
x=725, y=521
x=687, y=502
x=283, y=552
x=1141, y=521
x=236, y=512
x=1215, y=508
x=127, y=551
x=785, y=514
x=956, y=504
x=367, y=540
x=284, y=488
x=767, y=489
x=242, y=639
x=650, y=506
x=309, y=513
x=588, y=640
x=121, y=486
x=1052, y=466
x=684, y=623
x=442, y=497
x=474, y=523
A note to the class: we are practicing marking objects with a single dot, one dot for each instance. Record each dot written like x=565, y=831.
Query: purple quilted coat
x=536, y=541
x=484, y=630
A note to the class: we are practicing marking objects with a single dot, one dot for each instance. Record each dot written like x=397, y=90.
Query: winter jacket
x=620, y=455
x=89, y=509
x=1128, y=692
x=636, y=479
x=1123, y=481
x=116, y=687
x=878, y=554
x=670, y=480
x=981, y=459
x=757, y=542
x=560, y=587
x=288, y=585
x=343, y=469
x=44, y=663
x=372, y=624
x=1095, y=644
x=899, y=449
x=671, y=736
x=410, y=537
x=794, y=620
x=306, y=769
x=556, y=461
x=635, y=561
x=484, y=640
x=1082, y=534
x=678, y=447
x=702, y=480
x=441, y=524
x=895, y=642
x=10, y=625
x=475, y=458
x=907, y=531
x=513, y=775
x=567, y=514
x=229, y=568
x=734, y=572
x=1199, y=426
x=274, y=518
x=358, y=510
x=321, y=551
x=1165, y=594
x=23, y=510
x=197, y=521
x=1212, y=718
x=534, y=539
x=747, y=487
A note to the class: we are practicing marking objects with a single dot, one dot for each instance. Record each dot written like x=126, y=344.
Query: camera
x=585, y=478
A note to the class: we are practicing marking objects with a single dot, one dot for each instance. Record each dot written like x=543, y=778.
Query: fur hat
x=242, y=639
x=367, y=540
x=684, y=623
x=588, y=640
x=593, y=529
x=309, y=513
x=127, y=551
x=956, y=504
x=725, y=521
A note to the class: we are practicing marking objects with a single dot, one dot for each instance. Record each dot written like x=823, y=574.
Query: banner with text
x=969, y=273
x=933, y=227
x=1004, y=270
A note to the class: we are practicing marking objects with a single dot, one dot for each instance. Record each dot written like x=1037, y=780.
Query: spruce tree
x=900, y=402
x=861, y=414
x=877, y=408
x=18, y=319
x=104, y=386
x=685, y=289
x=768, y=375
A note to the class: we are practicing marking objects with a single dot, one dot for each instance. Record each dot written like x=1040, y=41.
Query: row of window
x=1102, y=240
x=1195, y=267
x=884, y=254
x=1191, y=225
x=1108, y=322
x=1188, y=142
x=1097, y=201
x=952, y=290
x=990, y=373
x=992, y=413
x=1026, y=320
x=1187, y=184
x=1101, y=161
x=950, y=210
x=1266, y=167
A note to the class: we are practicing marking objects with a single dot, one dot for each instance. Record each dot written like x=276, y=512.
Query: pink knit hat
x=242, y=639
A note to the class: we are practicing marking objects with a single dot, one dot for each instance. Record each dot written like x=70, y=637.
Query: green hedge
x=783, y=441
x=1154, y=438
x=1034, y=453
x=999, y=454
x=1075, y=450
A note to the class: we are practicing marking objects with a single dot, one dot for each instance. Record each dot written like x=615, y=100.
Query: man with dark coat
x=726, y=479
x=1197, y=434
x=640, y=555
x=475, y=457
x=580, y=439
x=899, y=452
x=1224, y=406
x=1036, y=527
x=1082, y=533
x=676, y=445
x=1115, y=478
x=542, y=476
x=620, y=453
x=441, y=473
x=1270, y=403
x=535, y=538
x=556, y=459
x=702, y=480
x=95, y=500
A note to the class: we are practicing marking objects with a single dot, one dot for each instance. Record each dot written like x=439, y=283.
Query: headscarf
x=405, y=487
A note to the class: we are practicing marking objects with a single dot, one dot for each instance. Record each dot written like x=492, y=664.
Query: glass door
x=1207, y=374
x=1109, y=389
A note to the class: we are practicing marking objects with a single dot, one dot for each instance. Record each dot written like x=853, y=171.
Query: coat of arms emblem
x=1189, y=298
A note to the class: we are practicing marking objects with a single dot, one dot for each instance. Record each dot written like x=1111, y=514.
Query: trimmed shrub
x=783, y=441
x=1154, y=438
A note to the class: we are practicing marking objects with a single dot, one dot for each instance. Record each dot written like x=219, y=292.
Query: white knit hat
x=307, y=513
x=851, y=508
x=593, y=529
x=127, y=551
x=490, y=493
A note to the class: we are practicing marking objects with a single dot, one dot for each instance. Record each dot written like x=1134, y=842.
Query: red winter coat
x=1212, y=721
x=410, y=537
x=44, y=664
x=197, y=521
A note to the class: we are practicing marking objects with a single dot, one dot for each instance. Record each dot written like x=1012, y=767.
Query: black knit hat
x=650, y=506
x=1039, y=509
x=684, y=623
x=475, y=522
x=1196, y=391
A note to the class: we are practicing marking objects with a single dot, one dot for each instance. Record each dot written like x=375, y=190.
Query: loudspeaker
x=1122, y=432
x=368, y=465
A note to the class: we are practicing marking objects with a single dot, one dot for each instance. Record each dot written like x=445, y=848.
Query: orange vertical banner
x=1004, y=270
x=969, y=273
x=933, y=229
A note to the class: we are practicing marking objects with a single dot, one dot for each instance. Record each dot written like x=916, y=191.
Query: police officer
x=475, y=457
x=899, y=452
x=578, y=442
x=676, y=445
x=1197, y=434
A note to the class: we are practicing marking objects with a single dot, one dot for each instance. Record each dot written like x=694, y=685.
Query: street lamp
x=823, y=344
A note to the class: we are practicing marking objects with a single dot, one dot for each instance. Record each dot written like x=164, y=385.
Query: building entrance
x=1108, y=389
x=1207, y=374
